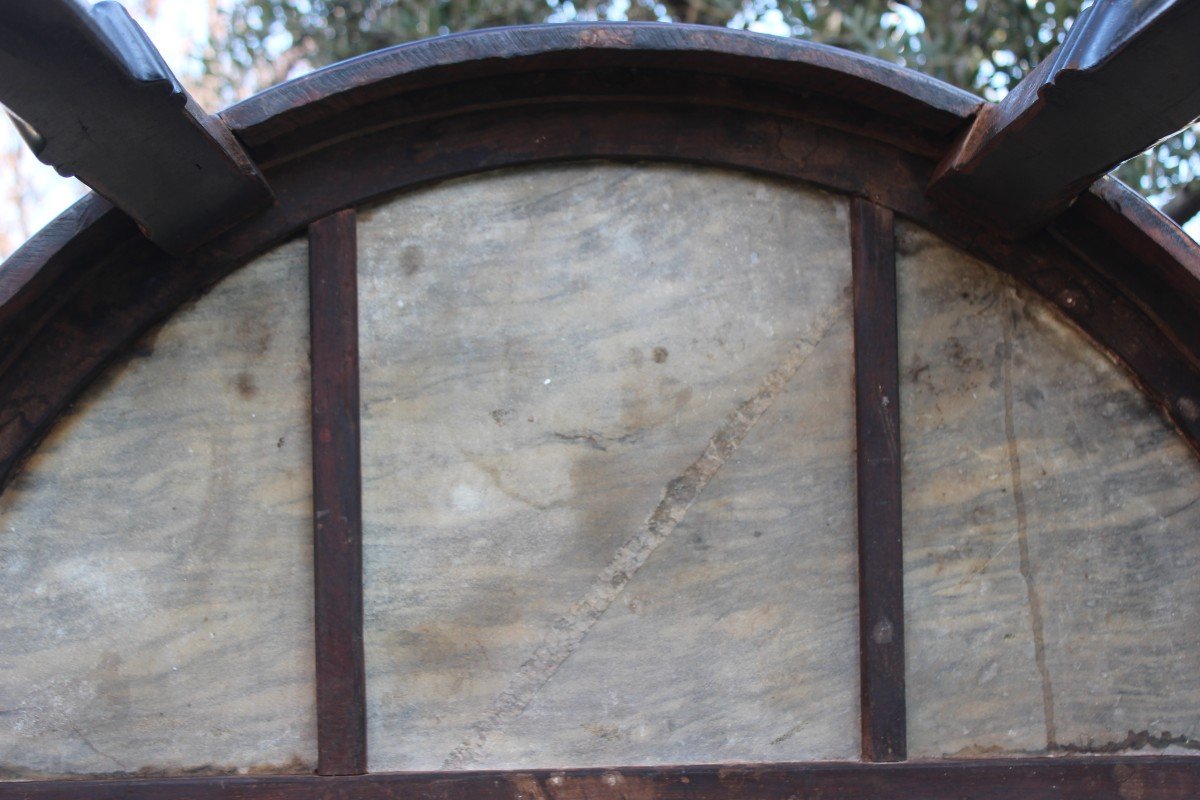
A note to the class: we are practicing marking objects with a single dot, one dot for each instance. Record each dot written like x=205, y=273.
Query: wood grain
x=1095, y=778
x=113, y=286
x=176, y=170
x=1121, y=81
x=880, y=550
x=337, y=496
x=310, y=100
x=115, y=293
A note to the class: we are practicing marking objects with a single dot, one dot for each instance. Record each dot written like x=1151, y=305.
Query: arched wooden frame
x=84, y=289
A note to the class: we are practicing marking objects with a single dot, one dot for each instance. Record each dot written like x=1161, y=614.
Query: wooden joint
x=93, y=98
x=1124, y=78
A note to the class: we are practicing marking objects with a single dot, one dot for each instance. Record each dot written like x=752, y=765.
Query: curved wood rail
x=81, y=292
x=77, y=302
x=696, y=49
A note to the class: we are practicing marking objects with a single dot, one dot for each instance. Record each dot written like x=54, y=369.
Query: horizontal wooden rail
x=1075, y=778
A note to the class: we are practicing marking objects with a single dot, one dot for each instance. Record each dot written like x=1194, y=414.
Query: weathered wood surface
x=337, y=495
x=113, y=291
x=93, y=98
x=878, y=447
x=71, y=343
x=1091, y=778
x=1053, y=571
x=608, y=470
x=1124, y=78
x=812, y=69
x=156, y=553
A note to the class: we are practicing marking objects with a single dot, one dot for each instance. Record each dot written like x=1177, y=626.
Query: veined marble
x=608, y=455
x=608, y=470
x=156, y=552
x=1052, y=567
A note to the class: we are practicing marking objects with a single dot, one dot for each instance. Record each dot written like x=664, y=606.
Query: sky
x=178, y=29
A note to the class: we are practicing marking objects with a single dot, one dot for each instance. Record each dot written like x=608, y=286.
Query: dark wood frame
x=1123, y=78
x=337, y=496
x=877, y=427
x=79, y=294
x=65, y=67
x=1095, y=778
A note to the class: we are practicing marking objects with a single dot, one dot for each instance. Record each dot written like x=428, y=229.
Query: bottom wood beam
x=1081, y=778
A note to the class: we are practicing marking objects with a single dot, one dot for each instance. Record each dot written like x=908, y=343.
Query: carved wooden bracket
x=1127, y=75
x=94, y=98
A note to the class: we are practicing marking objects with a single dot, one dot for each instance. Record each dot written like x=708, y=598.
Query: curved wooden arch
x=85, y=287
x=81, y=292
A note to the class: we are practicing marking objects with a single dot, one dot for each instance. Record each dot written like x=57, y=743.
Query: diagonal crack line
x=569, y=630
x=88, y=743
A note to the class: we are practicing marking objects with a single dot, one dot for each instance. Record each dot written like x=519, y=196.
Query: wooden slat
x=337, y=496
x=880, y=556
x=309, y=101
x=95, y=99
x=1124, y=78
x=1089, y=778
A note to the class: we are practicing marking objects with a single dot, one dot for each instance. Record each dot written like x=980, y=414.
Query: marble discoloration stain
x=296, y=765
x=1037, y=627
x=619, y=342
x=1051, y=586
x=568, y=631
x=155, y=553
x=1132, y=742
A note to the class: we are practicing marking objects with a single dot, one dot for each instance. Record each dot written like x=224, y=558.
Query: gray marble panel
x=155, y=553
x=608, y=470
x=1052, y=567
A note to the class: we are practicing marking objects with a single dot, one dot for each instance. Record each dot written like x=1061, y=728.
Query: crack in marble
x=789, y=733
x=1018, y=495
x=569, y=630
x=597, y=440
x=88, y=743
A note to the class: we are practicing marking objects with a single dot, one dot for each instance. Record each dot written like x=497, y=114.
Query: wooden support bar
x=93, y=98
x=1124, y=78
x=1077, y=778
x=337, y=496
x=880, y=554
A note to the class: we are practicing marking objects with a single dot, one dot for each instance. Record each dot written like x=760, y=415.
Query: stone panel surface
x=155, y=553
x=608, y=470
x=1052, y=567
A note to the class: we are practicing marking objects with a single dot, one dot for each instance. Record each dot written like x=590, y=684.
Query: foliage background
x=225, y=50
